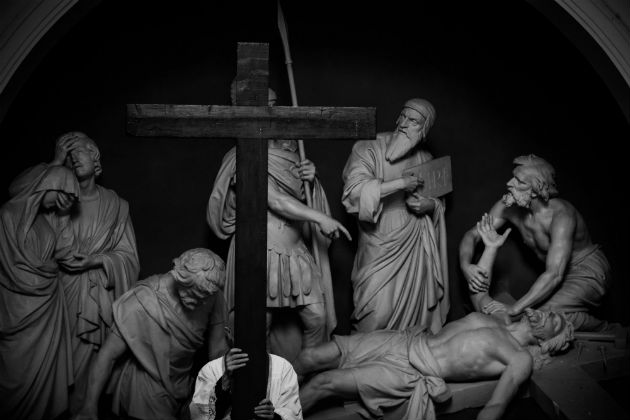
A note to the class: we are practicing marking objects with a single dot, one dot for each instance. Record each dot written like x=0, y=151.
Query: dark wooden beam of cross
x=250, y=119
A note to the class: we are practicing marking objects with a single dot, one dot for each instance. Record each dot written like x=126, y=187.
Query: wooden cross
x=251, y=120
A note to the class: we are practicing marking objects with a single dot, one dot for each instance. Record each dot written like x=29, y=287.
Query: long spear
x=282, y=26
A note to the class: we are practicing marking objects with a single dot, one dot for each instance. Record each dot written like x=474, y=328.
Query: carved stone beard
x=521, y=199
x=508, y=200
x=399, y=145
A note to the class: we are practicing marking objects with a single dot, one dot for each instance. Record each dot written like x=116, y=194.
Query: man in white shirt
x=212, y=398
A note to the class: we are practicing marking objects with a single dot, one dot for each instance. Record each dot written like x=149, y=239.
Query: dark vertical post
x=250, y=382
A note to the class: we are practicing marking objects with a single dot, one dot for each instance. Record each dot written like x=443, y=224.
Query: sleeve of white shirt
x=200, y=407
x=287, y=392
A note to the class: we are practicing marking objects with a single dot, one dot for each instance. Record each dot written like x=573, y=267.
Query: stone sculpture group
x=72, y=305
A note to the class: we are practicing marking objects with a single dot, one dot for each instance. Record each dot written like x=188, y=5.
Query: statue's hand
x=476, y=277
x=59, y=200
x=306, y=170
x=64, y=145
x=411, y=182
x=64, y=201
x=264, y=409
x=513, y=310
x=493, y=306
x=420, y=205
x=498, y=310
x=79, y=262
x=331, y=228
x=490, y=237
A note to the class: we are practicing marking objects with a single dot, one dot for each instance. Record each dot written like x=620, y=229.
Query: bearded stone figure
x=384, y=369
x=399, y=276
x=577, y=273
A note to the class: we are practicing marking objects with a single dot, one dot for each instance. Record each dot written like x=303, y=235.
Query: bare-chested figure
x=577, y=274
x=385, y=368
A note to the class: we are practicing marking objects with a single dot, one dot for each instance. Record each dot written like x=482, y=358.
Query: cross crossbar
x=247, y=121
x=250, y=121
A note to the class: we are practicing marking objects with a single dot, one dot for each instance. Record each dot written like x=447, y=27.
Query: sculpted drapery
x=35, y=346
x=399, y=275
x=98, y=225
x=163, y=342
x=293, y=278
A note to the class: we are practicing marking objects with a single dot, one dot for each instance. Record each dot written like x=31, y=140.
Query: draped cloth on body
x=400, y=274
x=392, y=367
x=586, y=281
x=157, y=378
x=35, y=351
x=293, y=277
x=99, y=226
x=282, y=390
x=90, y=294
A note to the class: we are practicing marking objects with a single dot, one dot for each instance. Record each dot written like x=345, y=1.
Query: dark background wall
x=503, y=80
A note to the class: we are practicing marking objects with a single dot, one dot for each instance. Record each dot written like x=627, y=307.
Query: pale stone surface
x=400, y=276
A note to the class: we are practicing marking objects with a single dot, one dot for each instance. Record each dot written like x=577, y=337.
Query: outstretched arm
x=476, y=275
x=292, y=209
x=518, y=368
x=558, y=256
x=100, y=371
x=492, y=242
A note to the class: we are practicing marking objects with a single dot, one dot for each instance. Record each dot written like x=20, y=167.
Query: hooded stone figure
x=404, y=140
x=400, y=275
x=35, y=351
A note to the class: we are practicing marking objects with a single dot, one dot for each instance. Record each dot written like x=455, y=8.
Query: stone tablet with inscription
x=436, y=175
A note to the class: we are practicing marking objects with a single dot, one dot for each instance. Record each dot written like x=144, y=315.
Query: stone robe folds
x=90, y=294
x=35, y=352
x=282, y=390
x=157, y=379
x=400, y=275
x=293, y=278
x=586, y=281
x=100, y=226
x=391, y=368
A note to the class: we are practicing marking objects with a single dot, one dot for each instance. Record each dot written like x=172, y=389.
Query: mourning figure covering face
x=84, y=158
x=413, y=124
x=198, y=273
x=58, y=200
x=62, y=189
